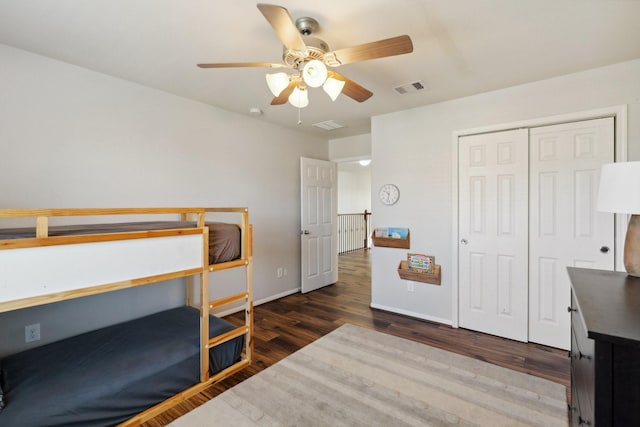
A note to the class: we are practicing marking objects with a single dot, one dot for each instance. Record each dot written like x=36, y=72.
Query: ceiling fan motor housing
x=316, y=49
x=306, y=25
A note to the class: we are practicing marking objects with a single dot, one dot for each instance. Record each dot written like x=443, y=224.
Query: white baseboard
x=256, y=303
x=412, y=314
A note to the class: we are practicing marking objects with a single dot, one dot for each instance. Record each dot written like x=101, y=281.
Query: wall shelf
x=388, y=242
x=406, y=274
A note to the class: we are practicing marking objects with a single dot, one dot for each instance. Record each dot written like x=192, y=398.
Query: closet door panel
x=565, y=229
x=493, y=231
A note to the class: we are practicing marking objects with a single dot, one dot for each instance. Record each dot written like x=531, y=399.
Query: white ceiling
x=461, y=47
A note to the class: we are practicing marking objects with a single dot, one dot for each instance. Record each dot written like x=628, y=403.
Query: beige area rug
x=359, y=377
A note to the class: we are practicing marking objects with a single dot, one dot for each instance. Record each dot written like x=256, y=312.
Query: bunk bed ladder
x=246, y=259
x=205, y=306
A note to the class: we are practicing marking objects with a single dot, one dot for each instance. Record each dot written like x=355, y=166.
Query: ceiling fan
x=309, y=57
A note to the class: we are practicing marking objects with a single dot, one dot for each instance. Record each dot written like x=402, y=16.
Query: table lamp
x=620, y=193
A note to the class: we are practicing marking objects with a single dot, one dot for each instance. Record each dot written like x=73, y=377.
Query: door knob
x=604, y=249
x=305, y=232
x=464, y=241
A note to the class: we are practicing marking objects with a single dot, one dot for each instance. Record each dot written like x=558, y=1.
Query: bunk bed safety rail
x=44, y=269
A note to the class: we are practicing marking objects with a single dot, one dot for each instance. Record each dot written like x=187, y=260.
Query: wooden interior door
x=319, y=215
x=493, y=227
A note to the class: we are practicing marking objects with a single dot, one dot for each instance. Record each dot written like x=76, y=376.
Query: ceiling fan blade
x=284, y=95
x=382, y=48
x=352, y=89
x=243, y=64
x=283, y=25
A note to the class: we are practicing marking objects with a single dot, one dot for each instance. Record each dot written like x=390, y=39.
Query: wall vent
x=410, y=87
x=328, y=125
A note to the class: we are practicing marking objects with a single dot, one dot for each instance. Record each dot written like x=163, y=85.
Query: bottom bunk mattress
x=104, y=377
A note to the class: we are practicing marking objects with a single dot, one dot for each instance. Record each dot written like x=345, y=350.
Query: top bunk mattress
x=224, y=239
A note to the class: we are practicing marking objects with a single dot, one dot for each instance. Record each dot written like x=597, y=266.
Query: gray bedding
x=104, y=377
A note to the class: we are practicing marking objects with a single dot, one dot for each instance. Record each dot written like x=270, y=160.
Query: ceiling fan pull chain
x=299, y=119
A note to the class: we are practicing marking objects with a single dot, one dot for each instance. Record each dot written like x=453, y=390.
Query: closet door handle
x=464, y=241
x=604, y=249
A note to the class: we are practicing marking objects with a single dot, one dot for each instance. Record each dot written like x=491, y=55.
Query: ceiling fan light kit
x=299, y=98
x=310, y=56
x=277, y=82
x=314, y=73
x=333, y=87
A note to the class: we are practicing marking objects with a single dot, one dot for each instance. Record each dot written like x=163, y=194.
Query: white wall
x=70, y=137
x=354, y=181
x=350, y=148
x=416, y=148
x=354, y=190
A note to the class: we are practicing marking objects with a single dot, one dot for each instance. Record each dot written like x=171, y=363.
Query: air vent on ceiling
x=328, y=125
x=410, y=87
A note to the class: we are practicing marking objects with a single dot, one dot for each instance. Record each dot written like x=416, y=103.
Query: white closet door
x=565, y=229
x=493, y=227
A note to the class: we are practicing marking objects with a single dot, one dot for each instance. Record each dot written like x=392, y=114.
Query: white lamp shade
x=299, y=97
x=619, y=190
x=314, y=73
x=277, y=82
x=333, y=87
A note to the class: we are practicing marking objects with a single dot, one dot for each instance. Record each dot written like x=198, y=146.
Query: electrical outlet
x=279, y=272
x=410, y=286
x=32, y=332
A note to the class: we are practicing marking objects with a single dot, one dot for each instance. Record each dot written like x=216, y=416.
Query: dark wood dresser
x=605, y=348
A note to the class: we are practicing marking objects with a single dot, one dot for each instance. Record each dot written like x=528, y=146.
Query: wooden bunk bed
x=46, y=264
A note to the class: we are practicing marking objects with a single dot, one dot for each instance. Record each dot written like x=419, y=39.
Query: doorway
x=354, y=205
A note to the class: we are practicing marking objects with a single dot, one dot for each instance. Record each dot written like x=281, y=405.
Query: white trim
x=277, y=296
x=233, y=310
x=454, y=228
x=619, y=112
x=411, y=314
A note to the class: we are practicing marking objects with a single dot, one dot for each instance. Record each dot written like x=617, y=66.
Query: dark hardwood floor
x=288, y=324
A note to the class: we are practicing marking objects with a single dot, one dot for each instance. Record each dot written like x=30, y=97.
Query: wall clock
x=389, y=194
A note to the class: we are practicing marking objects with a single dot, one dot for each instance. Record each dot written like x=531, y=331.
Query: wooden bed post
x=189, y=280
x=204, y=308
x=249, y=309
x=42, y=227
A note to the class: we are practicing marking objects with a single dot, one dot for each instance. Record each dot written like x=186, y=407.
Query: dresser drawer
x=582, y=371
x=585, y=345
x=582, y=386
